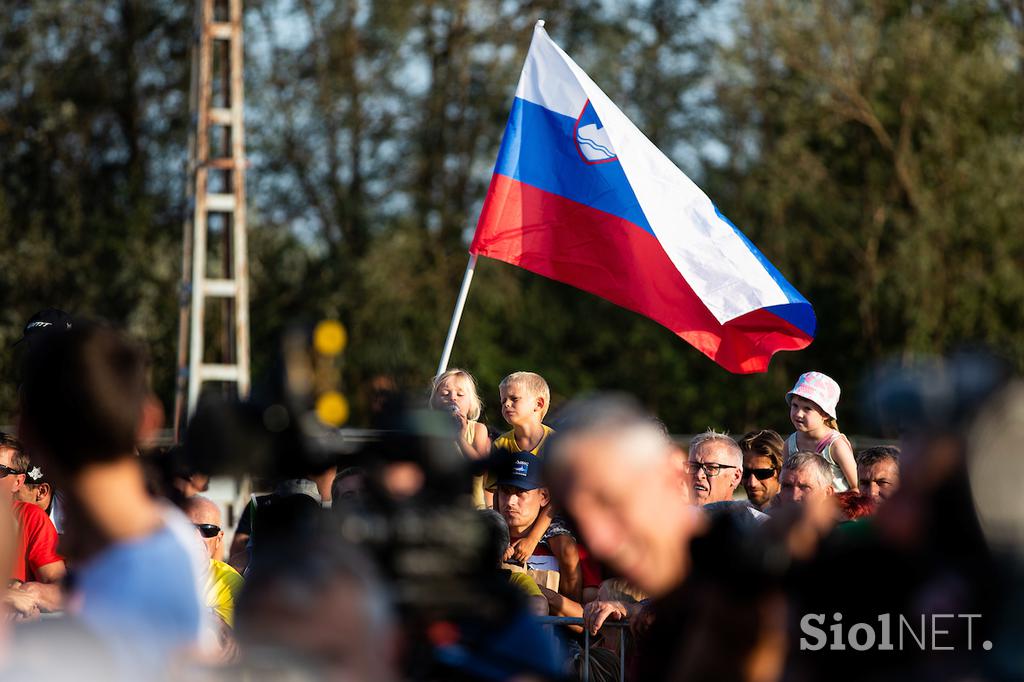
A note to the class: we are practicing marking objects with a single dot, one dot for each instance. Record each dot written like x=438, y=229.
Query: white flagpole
x=460, y=303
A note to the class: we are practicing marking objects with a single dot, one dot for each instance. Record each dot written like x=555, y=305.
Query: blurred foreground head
x=619, y=477
x=84, y=398
x=952, y=415
x=322, y=611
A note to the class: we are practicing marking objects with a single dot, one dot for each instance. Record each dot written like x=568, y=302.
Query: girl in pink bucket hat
x=812, y=409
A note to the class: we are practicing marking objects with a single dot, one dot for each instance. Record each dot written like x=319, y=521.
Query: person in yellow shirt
x=455, y=392
x=525, y=399
x=223, y=583
x=223, y=586
x=536, y=602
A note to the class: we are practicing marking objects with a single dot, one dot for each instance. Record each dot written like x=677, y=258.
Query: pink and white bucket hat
x=819, y=388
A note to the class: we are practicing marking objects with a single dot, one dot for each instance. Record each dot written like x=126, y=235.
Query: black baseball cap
x=520, y=470
x=45, y=321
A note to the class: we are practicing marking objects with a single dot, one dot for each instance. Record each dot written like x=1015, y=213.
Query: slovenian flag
x=581, y=196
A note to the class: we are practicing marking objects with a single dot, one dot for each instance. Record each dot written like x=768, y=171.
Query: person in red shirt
x=37, y=569
x=36, y=559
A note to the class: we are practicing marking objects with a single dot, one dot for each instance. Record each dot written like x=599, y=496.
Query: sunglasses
x=710, y=469
x=759, y=474
x=207, y=530
x=6, y=471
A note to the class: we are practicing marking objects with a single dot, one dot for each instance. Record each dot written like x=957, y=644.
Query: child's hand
x=460, y=419
x=521, y=550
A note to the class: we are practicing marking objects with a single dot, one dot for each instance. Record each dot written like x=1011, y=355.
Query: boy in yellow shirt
x=525, y=398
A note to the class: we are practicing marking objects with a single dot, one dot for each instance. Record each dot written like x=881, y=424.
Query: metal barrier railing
x=620, y=625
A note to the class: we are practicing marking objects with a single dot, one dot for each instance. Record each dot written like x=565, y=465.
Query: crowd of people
x=707, y=550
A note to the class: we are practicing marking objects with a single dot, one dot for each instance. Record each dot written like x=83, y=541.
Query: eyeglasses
x=6, y=471
x=710, y=468
x=759, y=474
x=207, y=530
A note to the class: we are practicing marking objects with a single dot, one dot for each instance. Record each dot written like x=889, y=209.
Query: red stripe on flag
x=612, y=258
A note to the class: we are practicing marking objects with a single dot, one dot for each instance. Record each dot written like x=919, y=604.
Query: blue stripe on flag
x=539, y=149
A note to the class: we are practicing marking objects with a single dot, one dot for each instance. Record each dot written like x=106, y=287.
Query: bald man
x=205, y=515
x=223, y=583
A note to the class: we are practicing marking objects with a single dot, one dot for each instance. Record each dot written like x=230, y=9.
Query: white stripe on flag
x=713, y=259
x=548, y=81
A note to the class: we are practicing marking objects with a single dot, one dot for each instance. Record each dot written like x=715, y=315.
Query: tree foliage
x=93, y=109
x=871, y=149
x=874, y=149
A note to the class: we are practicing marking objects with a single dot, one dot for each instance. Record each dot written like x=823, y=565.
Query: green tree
x=92, y=113
x=870, y=151
x=376, y=127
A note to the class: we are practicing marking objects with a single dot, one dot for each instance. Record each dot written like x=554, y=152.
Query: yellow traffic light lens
x=332, y=408
x=329, y=338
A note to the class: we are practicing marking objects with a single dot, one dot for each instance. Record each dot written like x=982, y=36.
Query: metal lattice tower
x=216, y=194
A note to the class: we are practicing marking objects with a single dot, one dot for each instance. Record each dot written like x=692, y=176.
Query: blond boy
x=525, y=398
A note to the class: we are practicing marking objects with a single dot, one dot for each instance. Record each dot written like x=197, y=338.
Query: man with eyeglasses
x=223, y=584
x=762, y=462
x=714, y=466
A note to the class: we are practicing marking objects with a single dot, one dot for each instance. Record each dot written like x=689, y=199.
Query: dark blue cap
x=521, y=470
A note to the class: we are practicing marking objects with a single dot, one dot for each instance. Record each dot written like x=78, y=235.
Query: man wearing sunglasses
x=223, y=584
x=38, y=569
x=762, y=462
x=714, y=466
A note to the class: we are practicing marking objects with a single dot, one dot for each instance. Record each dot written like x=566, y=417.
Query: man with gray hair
x=715, y=467
x=806, y=478
x=617, y=474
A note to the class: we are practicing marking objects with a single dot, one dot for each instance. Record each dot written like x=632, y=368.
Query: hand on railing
x=595, y=613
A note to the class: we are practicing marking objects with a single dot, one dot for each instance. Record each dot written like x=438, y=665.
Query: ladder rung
x=224, y=288
x=225, y=163
x=220, y=203
x=219, y=30
x=220, y=116
x=218, y=372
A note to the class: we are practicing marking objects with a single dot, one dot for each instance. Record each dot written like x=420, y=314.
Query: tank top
x=468, y=434
x=507, y=441
x=824, y=448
